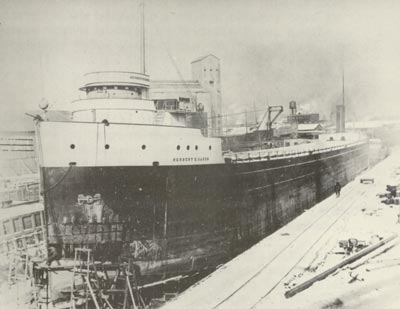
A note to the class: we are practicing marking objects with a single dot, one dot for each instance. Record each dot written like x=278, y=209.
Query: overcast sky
x=271, y=51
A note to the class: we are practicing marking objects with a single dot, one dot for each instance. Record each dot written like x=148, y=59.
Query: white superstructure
x=116, y=125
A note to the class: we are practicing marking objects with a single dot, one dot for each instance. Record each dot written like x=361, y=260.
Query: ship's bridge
x=115, y=97
x=116, y=84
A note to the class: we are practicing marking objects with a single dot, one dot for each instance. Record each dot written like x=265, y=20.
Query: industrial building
x=201, y=93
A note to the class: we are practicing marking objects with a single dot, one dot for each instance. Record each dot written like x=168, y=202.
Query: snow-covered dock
x=308, y=246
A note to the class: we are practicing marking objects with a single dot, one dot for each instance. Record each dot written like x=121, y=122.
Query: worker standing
x=338, y=187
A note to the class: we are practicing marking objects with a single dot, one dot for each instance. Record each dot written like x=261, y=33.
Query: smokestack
x=293, y=122
x=340, y=116
x=340, y=112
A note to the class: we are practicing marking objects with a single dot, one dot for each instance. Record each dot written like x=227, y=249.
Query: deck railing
x=280, y=153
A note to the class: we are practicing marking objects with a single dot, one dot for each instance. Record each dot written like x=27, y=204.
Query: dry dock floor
x=309, y=245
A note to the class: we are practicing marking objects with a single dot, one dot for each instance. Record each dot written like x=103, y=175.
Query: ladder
x=125, y=280
x=40, y=281
x=93, y=287
x=18, y=268
x=83, y=259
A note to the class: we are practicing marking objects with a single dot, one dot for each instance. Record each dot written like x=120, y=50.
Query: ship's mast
x=343, y=87
x=142, y=41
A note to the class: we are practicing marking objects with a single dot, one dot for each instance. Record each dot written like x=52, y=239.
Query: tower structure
x=341, y=112
x=206, y=70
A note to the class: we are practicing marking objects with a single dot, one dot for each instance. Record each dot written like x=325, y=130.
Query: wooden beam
x=131, y=293
x=326, y=273
x=93, y=295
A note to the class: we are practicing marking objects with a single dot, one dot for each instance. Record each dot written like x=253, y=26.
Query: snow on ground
x=371, y=285
x=307, y=246
x=17, y=296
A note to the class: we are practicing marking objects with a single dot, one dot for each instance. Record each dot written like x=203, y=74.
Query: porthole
x=209, y=147
x=143, y=147
x=196, y=147
x=178, y=147
x=106, y=146
x=187, y=147
x=72, y=146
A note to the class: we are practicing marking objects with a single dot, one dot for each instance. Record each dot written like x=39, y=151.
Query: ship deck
x=308, y=246
x=326, y=143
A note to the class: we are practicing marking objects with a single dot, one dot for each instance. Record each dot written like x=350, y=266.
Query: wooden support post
x=108, y=304
x=93, y=295
x=331, y=270
x=125, y=296
x=131, y=292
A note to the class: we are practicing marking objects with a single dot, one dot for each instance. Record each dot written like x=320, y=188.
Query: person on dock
x=53, y=255
x=338, y=187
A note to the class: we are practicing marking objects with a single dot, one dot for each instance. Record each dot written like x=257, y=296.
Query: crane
x=278, y=109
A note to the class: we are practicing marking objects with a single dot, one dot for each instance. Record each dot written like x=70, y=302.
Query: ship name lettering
x=191, y=159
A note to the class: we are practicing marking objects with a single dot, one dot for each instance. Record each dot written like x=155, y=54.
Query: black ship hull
x=176, y=219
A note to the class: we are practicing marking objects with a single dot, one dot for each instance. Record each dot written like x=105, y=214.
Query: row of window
x=107, y=146
x=188, y=147
x=129, y=88
x=20, y=224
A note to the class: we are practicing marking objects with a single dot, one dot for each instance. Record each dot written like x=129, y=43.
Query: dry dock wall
x=279, y=191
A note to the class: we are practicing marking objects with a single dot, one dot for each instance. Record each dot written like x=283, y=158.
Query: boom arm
x=278, y=110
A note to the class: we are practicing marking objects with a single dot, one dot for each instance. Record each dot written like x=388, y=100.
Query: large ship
x=125, y=182
x=128, y=180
